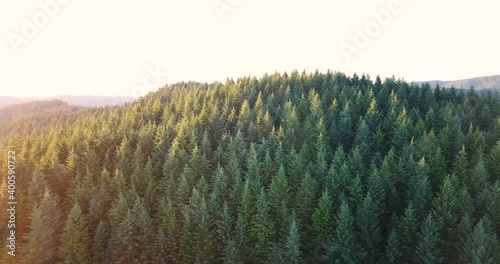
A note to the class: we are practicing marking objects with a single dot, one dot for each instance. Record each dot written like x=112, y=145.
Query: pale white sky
x=91, y=47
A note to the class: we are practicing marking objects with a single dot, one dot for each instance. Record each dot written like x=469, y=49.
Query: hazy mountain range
x=479, y=83
x=86, y=100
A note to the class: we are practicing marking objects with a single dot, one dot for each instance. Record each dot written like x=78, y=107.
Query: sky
x=129, y=48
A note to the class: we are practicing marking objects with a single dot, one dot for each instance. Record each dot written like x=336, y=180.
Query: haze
x=115, y=47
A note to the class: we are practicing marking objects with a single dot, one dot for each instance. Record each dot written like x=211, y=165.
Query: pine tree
x=74, y=239
x=344, y=247
x=492, y=161
x=262, y=228
x=445, y=210
x=407, y=232
x=367, y=223
x=481, y=245
x=125, y=249
x=231, y=253
x=427, y=251
x=101, y=236
x=304, y=204
x=279, y=198
x=186, y=240
x=322, y=219
x=292, y=246
x=244, y=220
x=170, y=225
x=144, y=234
x=493, y=206
x=225, y=233
x=202, y=235
x=41, y=245
x=393, y=250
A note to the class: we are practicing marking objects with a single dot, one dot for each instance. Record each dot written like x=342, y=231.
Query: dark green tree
x=344, y=246
x=75, y=238
x=427, y=250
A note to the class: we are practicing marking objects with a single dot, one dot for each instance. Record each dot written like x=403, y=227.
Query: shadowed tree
x=75, y=240
x=427, y=251
x=481, y=245
x=344, y=246
x=41, y=245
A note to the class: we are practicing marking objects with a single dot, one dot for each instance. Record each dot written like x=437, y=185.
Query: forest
x=17, y=110
x=299, y=167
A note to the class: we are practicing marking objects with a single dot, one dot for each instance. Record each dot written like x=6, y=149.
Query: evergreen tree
x=322, y=219
x=344, y=247
x=98, y=249
x=41, y=247
x=481, y=245
x=75, y=240
x=393, y=252
x=408, y=227
x=304, y=207
x=262, y=228
x=279, y=197
x=125, y=250
x=144, y=234
x=427, y=251
x=292, y=246
x=367, y=223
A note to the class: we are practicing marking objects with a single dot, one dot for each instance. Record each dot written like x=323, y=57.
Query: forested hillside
x=17, y=110
x=285, y=168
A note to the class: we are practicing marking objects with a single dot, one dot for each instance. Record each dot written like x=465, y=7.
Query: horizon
x=55, y=97
x=52, y=48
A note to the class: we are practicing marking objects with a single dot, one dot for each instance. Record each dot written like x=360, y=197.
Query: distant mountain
x=86, y=100
x=479, y=83
x=29, y=108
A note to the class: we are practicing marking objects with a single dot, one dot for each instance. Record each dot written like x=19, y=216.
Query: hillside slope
x=35, y=107
x=285, y=168
x=479, y=83
x=85, y=101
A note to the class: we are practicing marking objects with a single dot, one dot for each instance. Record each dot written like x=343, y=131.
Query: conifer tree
x=481, y=245
x=408, y=227
x=262, y=228
x=74, y=239
x=427, y=250
x=292, y=246
x=100, y=241
x=41, y=247
x=368, y=228
x=393, y=252
x=344, y=247
x=322, y=219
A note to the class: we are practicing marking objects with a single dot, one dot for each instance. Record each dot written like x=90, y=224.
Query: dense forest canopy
x=285, y=168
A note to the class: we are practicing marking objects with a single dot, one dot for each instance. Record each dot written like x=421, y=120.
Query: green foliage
x=344, y=246
x=285, y=168
x=74, y=239
x=427, y=251
x=481, y=245
x=262, y=228
x=45, y=225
